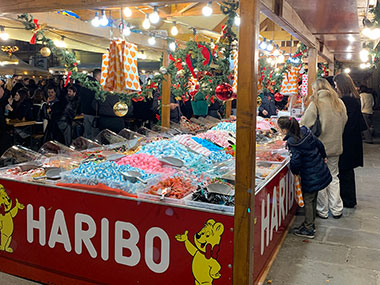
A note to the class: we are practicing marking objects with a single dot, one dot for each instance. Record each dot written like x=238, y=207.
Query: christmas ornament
x=120, y=109
x=258, y=101
x=278, y=97
x=224, y=92
x=181, y=73
x=45, y=51
x=234, y=95
x=163, y=70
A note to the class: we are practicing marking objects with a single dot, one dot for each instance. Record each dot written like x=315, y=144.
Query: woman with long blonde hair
x=326, y=105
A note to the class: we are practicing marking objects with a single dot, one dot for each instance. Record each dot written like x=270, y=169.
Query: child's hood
x=307, y=141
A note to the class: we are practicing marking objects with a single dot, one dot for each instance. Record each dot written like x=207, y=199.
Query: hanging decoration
x=10, y=50
x=290, y=83
x=322, y=70
x=224, y=92
x=304, y=85
x=122, y=72
x=235, y=76
x=67, y=59
x=120, y=109
x=45, y=51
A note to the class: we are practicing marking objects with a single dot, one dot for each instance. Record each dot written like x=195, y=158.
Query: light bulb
x=270, y=47
x=269, y=60
x=154, y=17
x=362, y=65
x=364, y=55
x=263, y=45
x=174, y=30
x=375, y=34
x=60, y=43
x=351, y=38
x=276, y=52
x=126, y=31
x=207, y=10
x=103, y=20
x=172, y=46
x=152, y=41
x=146, y=23
x=127, y=12
x=349, y=56
x=366, y=32
x=281, y=59
x=347, y=70
x=4, y=36
x=96, y=21
x=237, y=20
x=141, y=55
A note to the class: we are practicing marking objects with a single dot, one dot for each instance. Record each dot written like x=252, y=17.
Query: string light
x=3, y=35
x=126, y=31
x=364, y=55
x=127, y=12
x=152, y=41
x=96, y=21
x=237, y=20
x=207, y=10
x=172, y=46
x=103, y=20
x=174, y=29
x=154, y=17
x=347, y=70
x=60, y=43
x=146, y=23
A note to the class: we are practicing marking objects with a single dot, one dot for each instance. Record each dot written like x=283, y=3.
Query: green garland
x=67, y=59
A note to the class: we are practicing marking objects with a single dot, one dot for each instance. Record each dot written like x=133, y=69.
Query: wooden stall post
x=165, y=100
x=246, y=143
x=312, y=70
x=228, y=109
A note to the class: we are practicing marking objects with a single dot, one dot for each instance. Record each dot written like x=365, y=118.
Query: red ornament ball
x=224, y=92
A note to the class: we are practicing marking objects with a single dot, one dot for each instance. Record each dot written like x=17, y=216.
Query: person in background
x=32, y=87
x=107, y=117
x=308, y=160
x=66, y=121
x=352, y=155
x=175, y=111
x=52, y=112
x=88, y=109
x=5, y=139
x=367, y=104
x=19, y=106
x=268, y=106
x=333, y=117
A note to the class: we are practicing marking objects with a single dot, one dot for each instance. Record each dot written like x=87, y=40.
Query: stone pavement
x=344, y=251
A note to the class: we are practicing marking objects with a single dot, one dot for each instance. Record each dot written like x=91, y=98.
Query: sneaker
x=302, y=226
x=303, y=232
x=338, y=216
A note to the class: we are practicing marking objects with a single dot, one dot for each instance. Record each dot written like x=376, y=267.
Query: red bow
x=190, y=65
x=68, y=78
x=138, y=99
x=36, y=29
x=177, y=62
x=212, y=252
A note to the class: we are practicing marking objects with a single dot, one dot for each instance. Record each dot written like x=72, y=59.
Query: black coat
x=352, y=155
x=269, y=104
x=87, y=96
x=107, y=117
x=307, y=160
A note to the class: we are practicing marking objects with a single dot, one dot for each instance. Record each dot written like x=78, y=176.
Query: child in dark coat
x=308, y=160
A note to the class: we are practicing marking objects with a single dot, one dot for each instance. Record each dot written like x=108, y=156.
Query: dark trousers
x=310, y=200
x=347, y=187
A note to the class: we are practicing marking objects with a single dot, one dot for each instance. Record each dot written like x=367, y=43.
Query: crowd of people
x=327, y=145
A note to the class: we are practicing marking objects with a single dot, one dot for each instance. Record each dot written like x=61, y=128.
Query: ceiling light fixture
x=349, y=56
x=104, y=20
x=347, y=70
x=127, y=12
x=146, y=23
x=96, y=21
x=364, y=55
x=3, y=35
x=152, y=40
x=172, y=46
x=174, y=29
x=154, y=17
x=207, y=10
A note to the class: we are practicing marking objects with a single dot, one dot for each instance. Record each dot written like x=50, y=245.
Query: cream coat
x=367, y=102
x=332, y=123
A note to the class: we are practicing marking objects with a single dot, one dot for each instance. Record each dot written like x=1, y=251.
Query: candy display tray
x=144, y=195
x=222, y=208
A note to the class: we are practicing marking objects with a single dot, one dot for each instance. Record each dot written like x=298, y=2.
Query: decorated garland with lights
x=271, y=79
x=322, y=70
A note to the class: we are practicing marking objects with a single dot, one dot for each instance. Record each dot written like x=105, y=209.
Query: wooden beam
x=290, y=21
x=228, y=109
x=276, y=35
x=246, y=143
x=332, y=68
x=22, y=6
x=327, y=54
x=312, y=71
x=68, y=24
x=188, y=7
x=165, y=107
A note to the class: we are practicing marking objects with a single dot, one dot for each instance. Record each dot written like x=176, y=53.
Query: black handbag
x=316, y=129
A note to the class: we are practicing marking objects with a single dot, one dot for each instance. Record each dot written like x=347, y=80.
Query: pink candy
x=219, y=137
x=145, y=162
x=186, y=140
